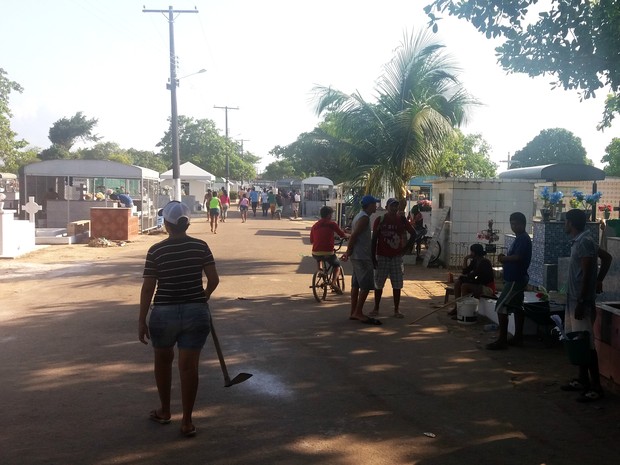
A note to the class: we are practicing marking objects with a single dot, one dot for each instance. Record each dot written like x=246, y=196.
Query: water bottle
x=491, y=327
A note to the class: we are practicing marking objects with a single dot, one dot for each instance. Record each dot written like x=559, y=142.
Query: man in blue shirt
x=516, y=263
x=123, y=199
x=254, y=199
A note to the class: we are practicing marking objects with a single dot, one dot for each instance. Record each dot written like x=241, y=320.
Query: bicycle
x=322, y=278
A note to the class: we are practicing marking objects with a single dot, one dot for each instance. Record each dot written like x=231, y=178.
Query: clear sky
x=110, y=60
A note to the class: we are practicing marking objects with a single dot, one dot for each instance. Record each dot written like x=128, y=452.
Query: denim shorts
x=186, y=325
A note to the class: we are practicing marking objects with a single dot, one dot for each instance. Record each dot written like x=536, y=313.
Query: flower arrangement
x=605, y=208
x=583, y=201
x=99, y=196
x=550, y=198
x=542, y=294
x=489, y=234
x=109, y=191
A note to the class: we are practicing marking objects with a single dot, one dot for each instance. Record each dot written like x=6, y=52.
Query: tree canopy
x=575, y=41
x=65, y=132
x=385, y=143
x=11, y=156
x=551, y=146
x=612, y=158
x=201, y=144
x=466, y=156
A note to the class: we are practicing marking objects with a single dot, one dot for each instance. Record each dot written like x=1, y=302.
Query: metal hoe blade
x=241, y=377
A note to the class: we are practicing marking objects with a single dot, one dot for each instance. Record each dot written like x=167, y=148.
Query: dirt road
x=76, y=385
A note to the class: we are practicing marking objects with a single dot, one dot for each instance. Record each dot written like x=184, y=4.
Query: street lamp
x=176, y=158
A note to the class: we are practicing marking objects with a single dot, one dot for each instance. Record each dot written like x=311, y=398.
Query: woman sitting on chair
x=477, y=278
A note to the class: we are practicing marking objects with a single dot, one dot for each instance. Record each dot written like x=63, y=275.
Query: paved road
x=76, y=385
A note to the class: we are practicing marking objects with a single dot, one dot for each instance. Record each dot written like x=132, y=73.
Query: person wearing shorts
x=322, y=240
x=254, y=196
x=515, y=263
x=583, y=283
x=244, y=204
x=389, y=241
x=359, y=250
x=179, y=315
x=215, y=206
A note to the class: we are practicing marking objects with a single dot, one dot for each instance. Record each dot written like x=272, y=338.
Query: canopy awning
x=556, y=173
x=189, y=171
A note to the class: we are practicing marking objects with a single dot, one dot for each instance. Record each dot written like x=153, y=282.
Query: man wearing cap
x=359, y=250
x=389, y=241
x=180, y=312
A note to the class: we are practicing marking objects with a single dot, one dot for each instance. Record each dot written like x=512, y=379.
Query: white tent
x=190, y=172
x=194, y=183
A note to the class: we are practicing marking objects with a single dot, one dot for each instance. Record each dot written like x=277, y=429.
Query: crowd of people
x=177, y=301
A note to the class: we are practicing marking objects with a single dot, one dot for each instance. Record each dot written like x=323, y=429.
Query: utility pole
x=174, y=83
x=226, y=108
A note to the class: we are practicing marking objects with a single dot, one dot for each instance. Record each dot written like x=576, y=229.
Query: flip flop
x=161, y=420
x=371, y=321
x=190, y=433
x=398, y=315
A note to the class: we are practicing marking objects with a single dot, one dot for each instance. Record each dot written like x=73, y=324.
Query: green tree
x=147, y=159
x=612, y=158
x=18, y=158
x=105, y=151
x=466, y=156
x=551, y=146
x=201, y=144
x=65, y=132
x=576, y=41
x=419, y=101
x=315, y=154
x=279, y=169
x=10, y=155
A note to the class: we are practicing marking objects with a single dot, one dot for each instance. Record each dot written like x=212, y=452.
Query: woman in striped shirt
x=180, y=311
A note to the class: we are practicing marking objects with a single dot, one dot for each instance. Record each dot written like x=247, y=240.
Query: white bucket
x=466, y=311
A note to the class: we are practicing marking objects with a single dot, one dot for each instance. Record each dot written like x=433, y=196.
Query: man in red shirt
x=389, y=242
x=322, y=239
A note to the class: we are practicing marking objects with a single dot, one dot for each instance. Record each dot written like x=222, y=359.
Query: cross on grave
x=32, y=208
x=82, y=190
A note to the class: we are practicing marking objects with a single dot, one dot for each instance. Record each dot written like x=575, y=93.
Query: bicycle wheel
x=319, y=286
x=434, y=249
x=340, y=280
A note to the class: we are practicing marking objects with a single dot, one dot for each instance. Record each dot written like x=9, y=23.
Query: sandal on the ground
x=574, y=385
x=497, y=345
x=398, y=315
x=590, y=396
x=371, y=321
x=190, y=433
x=161, y=420
x=374, y=313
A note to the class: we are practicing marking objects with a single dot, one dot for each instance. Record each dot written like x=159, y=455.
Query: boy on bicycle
x=322, y=239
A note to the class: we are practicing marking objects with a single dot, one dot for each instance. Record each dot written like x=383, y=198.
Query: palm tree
x=419, y=102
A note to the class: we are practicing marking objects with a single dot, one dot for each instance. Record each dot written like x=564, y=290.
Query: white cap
x=174, y=211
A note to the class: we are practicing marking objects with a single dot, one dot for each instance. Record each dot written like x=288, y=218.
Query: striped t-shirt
x=178, y=264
